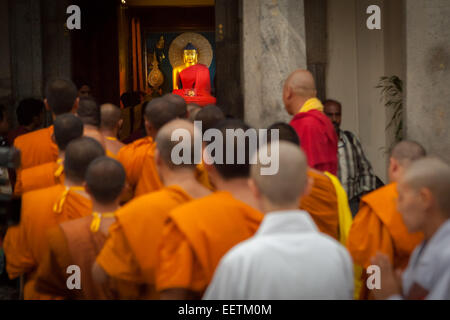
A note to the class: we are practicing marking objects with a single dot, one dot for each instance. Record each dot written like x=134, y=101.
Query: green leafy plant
x=392, y=94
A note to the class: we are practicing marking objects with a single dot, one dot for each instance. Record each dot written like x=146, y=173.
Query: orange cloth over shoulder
x=36, y=148
x=72, y=243
x=41, y=176
x=322, y=204
x=138, y=161
x=26, y=245
x=130, y=252
x=197, y=235
x=201, y=175
x=379, y=227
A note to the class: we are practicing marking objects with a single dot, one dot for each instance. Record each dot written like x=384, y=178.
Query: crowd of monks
x=139, y=226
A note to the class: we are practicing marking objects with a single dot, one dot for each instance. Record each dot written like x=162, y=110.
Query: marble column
x=273, y=47
x=428, y=75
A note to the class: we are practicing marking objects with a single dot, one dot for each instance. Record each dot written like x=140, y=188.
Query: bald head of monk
x=285, y=133
x=170, y=155
x=424, y=200
x=192, y=109
x=210, y=116
x=179, y=103
x=280, y=191
x=298, y=88
x=105, y=179
x=79, y=154
x=89, y=112
x=402, y=155
x=67, y=127
x=158, y=112
x=110, y=117
x=61, y=97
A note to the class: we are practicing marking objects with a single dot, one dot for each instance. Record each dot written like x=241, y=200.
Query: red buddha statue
x=191, y=80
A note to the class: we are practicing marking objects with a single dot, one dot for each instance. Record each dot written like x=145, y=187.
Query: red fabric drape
x=138, y=80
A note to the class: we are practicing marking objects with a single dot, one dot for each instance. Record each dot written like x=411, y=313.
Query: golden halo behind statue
x=205, y=53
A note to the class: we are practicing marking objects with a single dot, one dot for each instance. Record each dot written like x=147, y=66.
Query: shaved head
x=160, y=111
x=110, y=115
x=179, y=103
x=290, y=182
x=165, y=145
x=210, y=116
x=105, y=179
x=61, y=96
x=89, y=112
x=285, y=133
x=302, y=83
x=432, y=174
x=406, y=152
x=193, y=109
x=79, y=154
x=67, y=127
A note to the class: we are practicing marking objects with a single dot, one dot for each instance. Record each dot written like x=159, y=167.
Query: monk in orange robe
x=67, y=127
x=130, y=254
x=138, y=157
x=378, y=226
x=110, y=124
x=321, y=201
x=199, y=233
x=26, y=245
x=209, y=117
x=37, y=147
x=78, y=242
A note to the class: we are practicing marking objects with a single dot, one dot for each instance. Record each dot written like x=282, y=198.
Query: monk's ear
x=254, y=188
x=75, y=105
x=120, y=124
x=53, y=138
x=47, y=107
x=157, y=157
x=309, y=185
x=86, y=188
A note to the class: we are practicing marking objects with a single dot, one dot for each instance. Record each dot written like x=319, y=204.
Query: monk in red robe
x=67, y=127
x=37, y=147
x=26, y=245
x=379, y=226
x=315, y=130
x=130, y=253
x=199, y=233
x=78, y=242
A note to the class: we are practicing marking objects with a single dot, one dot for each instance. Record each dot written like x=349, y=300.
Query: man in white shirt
x=424, y=203
x=288, y=258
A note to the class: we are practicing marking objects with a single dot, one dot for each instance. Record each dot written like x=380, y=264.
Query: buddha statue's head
x=190, y=54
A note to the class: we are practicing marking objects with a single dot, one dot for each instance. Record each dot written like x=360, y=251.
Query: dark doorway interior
x=95, y=49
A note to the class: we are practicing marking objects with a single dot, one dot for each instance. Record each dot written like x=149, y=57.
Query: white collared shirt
x=288, y=258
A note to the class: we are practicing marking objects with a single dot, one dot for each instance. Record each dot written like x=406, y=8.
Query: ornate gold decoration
x=205, y=53
x=155, y=77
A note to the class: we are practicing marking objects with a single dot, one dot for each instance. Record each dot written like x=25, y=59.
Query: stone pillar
x=273, y=47
x=5, y=71
x=428, y=75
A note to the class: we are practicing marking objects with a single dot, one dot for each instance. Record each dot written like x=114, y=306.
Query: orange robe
x=41, y=176
x=322, y=204
x=130, y=253
x=138, y=161
x=201, y=175
x=72, y=243
x=36, y=148
x=379, y=227
x=113, y=145
x=197, y=235
x=26, y=245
